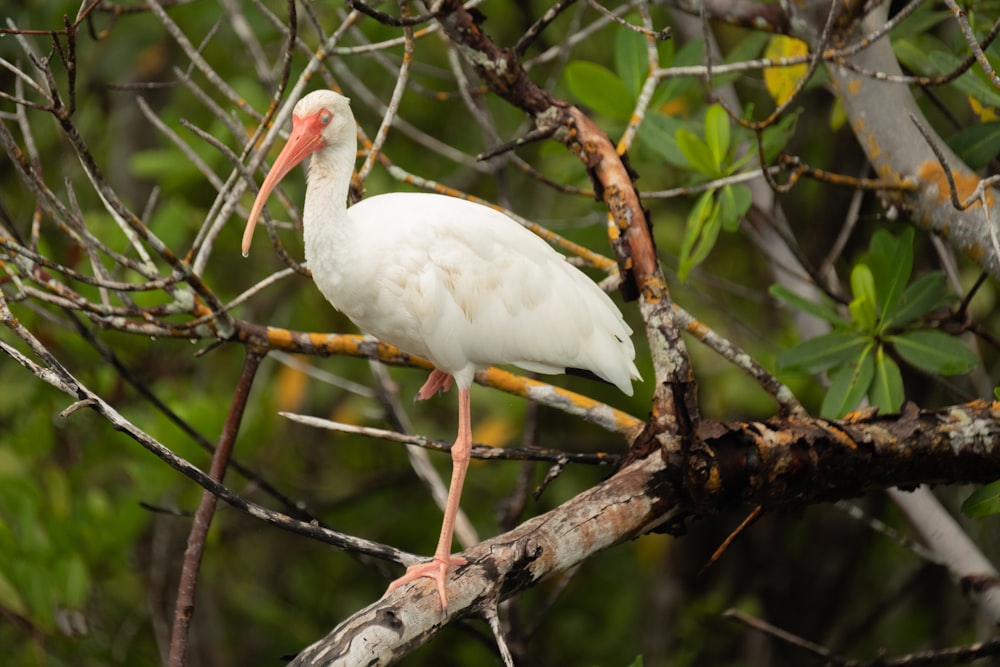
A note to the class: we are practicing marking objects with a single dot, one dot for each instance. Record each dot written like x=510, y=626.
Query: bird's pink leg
x=437, y=568
x=437, y=381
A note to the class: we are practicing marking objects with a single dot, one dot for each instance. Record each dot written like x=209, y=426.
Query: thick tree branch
x=898, y=151
x=774, y=464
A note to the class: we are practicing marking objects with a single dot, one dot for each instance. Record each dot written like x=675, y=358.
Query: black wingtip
x=584, y=373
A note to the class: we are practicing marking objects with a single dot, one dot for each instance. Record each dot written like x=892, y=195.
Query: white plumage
x=458, y=283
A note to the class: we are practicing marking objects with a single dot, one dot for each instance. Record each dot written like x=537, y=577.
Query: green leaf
x=75, y=582
x=882, y=244
x=886, y=392
x=700, y=234
x=658, y=131
x=934, y=352
x=977, y=144
x=631, y=61
x=968, y=83
x=751, y=46
x=600, y=89
x=922, y=20
x=848, y=386
x=717, y=134
x=863, y=304
x=926, y=294
x=912, y=51
x=822, y=352
x=820, y=310
x=734, y=202
x=777, y=136
x=890, y=260
x=896, y=276
x=696, y=152
x=984, y=501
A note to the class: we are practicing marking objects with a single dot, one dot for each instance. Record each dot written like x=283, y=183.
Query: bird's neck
x=325, y=218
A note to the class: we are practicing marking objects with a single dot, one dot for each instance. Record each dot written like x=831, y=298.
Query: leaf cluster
x=885, y=322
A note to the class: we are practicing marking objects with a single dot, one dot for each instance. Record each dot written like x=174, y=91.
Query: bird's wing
x=479, y=289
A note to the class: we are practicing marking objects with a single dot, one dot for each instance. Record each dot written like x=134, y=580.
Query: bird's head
x=320, y=119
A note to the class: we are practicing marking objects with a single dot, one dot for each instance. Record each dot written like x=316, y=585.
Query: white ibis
x=455, y=282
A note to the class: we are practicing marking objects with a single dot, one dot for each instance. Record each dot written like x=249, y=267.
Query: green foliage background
x=92, y=527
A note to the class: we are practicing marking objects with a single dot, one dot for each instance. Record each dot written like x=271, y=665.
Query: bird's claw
x=437, y=382
x=436, y=569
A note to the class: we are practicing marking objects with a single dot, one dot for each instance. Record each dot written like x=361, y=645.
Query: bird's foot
x=437, y=382
x=436, y=569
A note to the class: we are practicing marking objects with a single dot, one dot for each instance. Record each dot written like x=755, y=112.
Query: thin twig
x=393, y=107
x=783, y=396
x=184, y=608
x=783, y=635
x=973, y=43
x=479, y=452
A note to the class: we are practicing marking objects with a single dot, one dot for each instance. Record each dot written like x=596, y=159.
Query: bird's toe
x=435, y=569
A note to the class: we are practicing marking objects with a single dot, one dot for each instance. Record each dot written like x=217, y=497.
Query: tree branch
x=779, y=463
x=899, y=152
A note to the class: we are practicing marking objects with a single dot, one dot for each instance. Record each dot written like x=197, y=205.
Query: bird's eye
x=325, y=117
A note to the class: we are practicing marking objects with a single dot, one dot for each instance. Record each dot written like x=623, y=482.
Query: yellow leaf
x=677, y=106
x=838, y=115
x=781, y=81
x=290, y=387
x=494, y=431
x=351, y=411
x=986, y=114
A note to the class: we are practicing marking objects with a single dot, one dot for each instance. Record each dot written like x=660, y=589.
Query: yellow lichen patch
x=713, y=485
x=930, y=172
x=614, y=233
x=840, y=437
x=854, y=87
x=696, y=328
x=199, y=309
x=869, y=142
x=279, y=338
x=342, y=343
x=887, y=173
x=522, y=386
x=860, y=415
x=874, y=147
x=985, y=113
x=505, y=381
x=653, y=291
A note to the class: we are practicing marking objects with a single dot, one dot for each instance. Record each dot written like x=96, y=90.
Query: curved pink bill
x=304, y=140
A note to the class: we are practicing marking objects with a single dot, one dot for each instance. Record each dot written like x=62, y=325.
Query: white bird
x=456, y=282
